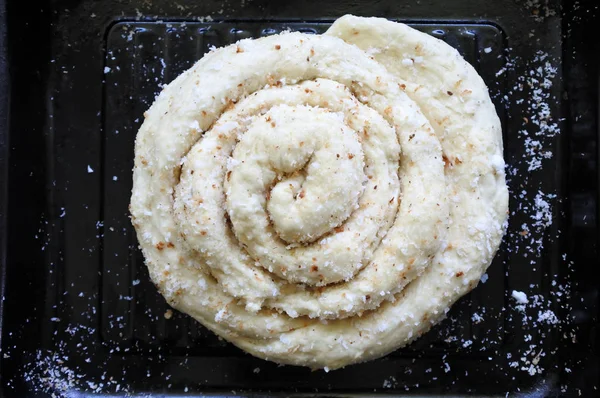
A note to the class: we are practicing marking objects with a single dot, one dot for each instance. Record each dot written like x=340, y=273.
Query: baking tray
x=80, y=316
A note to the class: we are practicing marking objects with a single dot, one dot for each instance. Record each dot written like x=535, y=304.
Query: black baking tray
x=79, y=316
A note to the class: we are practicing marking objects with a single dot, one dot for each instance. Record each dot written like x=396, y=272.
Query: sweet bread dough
x=321, y=200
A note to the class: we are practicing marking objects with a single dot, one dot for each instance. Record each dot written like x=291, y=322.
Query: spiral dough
x=321, y=200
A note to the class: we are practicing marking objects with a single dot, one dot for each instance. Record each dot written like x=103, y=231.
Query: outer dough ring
x=474, y=234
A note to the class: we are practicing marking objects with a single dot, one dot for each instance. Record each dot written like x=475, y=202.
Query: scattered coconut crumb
x=390, y=382
x=520, y=297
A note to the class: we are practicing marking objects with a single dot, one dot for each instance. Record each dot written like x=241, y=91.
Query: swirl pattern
x=317, y=202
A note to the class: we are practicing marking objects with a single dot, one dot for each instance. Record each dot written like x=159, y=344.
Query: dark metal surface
x=582, y=236
x=78, y=301
x=4, y=110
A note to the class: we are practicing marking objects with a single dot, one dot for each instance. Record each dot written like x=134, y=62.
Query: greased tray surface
x=80, y=313
x=167, y=49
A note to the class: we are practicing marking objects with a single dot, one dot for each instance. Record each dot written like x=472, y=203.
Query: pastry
x=321, y=200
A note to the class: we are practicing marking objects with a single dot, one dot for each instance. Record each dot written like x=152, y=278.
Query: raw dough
x=321, y=200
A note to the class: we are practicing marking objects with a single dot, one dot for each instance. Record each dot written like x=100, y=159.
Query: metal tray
x=79, y=314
